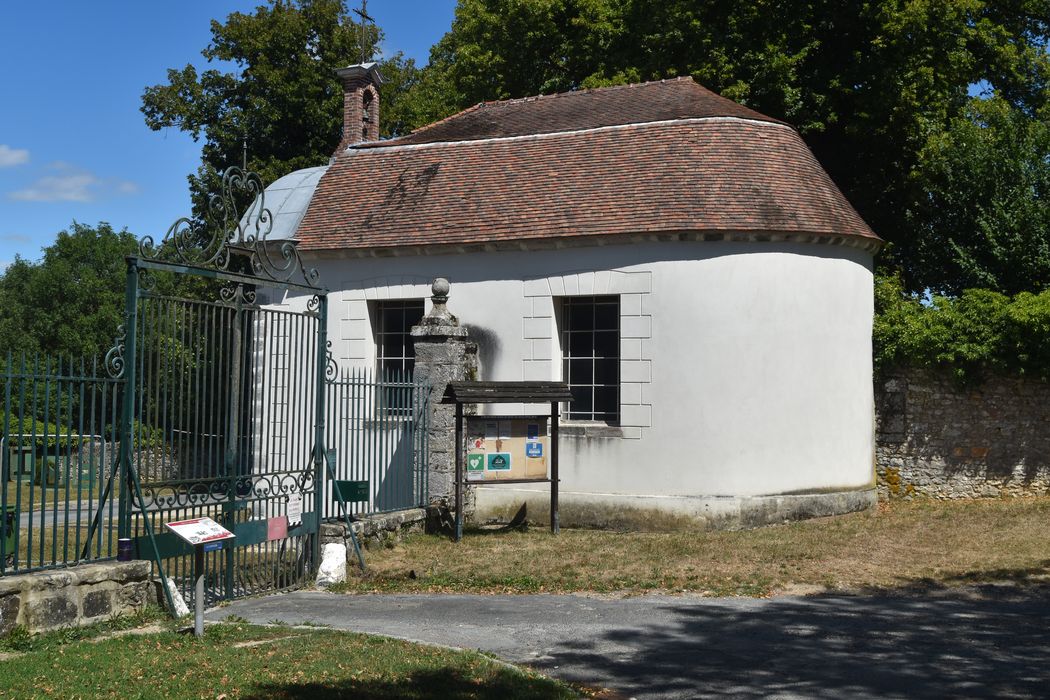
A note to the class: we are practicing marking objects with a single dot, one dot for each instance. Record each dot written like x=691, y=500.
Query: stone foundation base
x=73, y=597
x=375, y=530
x=660, y=513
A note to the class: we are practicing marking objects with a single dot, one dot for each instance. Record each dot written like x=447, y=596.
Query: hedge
x=976, y=333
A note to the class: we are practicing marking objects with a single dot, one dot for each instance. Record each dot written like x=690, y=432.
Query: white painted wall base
x=500, y=503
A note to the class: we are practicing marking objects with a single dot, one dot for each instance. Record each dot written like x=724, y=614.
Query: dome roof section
x=287, y=200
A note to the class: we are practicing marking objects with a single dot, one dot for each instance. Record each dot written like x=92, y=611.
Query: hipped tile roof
x=734, y=171
x=680, y=98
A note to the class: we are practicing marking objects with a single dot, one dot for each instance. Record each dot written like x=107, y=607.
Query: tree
x=71, y=302
x=283, y=99
x=869, y=85
x=982, y=217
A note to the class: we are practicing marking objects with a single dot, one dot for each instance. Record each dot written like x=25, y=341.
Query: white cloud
x=12, y=156
x=72, y=184
x=59, y=188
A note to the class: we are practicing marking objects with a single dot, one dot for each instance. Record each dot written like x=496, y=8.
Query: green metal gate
x=228, y=393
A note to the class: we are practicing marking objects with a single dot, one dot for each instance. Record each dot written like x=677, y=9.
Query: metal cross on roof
x=366, y=45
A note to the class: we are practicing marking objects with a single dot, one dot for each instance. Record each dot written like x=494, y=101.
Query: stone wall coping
x=118, y=571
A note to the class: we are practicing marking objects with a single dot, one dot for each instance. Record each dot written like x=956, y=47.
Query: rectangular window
x=392, y=322
x=590, y=347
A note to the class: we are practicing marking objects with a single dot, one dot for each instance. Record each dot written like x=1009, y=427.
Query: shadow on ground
x=444, y=683
x=982, y=641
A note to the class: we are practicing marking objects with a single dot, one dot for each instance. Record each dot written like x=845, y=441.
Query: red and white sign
x=199, y=530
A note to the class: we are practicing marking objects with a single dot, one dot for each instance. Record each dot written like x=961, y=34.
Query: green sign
x=475, y=463
x=498, y=462
x=352, y=491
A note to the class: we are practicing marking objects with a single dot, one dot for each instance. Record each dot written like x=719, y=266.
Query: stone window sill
x=590, y=430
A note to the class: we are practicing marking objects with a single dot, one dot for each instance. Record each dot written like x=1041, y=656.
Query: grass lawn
x=901, y=545
x=36, y=497
x=243, y=661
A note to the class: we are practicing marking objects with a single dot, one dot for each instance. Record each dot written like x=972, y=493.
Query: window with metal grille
x=590, y=346
x=392, y=323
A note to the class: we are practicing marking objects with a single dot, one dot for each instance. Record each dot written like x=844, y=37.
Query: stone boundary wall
x=80, y=595
x=937, y=438
x=376, y=530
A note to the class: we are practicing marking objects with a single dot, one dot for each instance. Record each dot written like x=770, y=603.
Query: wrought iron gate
x=226, y=417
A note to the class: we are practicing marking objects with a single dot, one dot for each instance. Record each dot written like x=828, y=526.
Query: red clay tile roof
x=708, y=175
x=681, y=98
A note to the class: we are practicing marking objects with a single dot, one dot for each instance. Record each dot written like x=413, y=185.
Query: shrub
x=978, y=332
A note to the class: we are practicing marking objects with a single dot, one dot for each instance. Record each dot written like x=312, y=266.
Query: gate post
x=127, y=418
x=319, y=422
x=441, y=350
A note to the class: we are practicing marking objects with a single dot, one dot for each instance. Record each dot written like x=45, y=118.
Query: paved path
x=993, y=641
x=52, y=515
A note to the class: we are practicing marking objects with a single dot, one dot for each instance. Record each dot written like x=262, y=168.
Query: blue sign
x=212, y=546
x=533, y=449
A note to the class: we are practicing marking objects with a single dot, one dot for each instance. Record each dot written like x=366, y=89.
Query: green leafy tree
x=870, y=85
x=70, y=303
x=976, y=333
x=282, y=97
x=983, y=215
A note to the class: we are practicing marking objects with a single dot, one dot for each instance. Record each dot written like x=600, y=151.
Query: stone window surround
x=356, y=341
x=540, y=350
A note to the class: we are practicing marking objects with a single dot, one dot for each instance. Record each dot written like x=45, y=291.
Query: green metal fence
x=58, y=451
x=211, y=402
x=226, y=395
x=377, y=434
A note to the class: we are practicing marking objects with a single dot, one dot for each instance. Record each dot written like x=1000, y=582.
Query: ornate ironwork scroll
x=227, y=234
x=189, y=494
x=114, y=362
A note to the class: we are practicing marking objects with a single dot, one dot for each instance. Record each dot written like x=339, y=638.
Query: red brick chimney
x=360, y=104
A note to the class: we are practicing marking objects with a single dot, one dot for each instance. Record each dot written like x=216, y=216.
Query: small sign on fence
x=199, y=530
x=295, y=508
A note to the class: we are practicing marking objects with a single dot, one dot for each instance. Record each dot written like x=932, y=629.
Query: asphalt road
x=977, y=642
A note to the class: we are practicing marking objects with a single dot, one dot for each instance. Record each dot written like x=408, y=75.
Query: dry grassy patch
x=898, y=545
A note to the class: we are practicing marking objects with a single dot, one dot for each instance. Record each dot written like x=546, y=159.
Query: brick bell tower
x=360, y=104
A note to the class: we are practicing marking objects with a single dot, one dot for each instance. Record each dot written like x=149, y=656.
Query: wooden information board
x=506, y=448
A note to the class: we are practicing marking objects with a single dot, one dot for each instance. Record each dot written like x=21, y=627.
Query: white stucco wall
x=745, y=366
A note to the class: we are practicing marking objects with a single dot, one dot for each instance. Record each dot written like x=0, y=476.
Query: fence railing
x=58, y=449
x=377, y=427
x=57, y=452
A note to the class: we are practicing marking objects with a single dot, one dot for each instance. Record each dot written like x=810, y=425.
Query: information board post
x=204, y=535
x=459, y=471
x=198, y=590
x=555, y=525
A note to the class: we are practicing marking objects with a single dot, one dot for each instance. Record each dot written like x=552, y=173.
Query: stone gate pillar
x=441, y=349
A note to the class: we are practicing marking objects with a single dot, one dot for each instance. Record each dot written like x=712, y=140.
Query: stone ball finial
x=440, y=289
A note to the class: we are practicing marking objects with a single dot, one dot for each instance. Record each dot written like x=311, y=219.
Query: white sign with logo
x=199, y=530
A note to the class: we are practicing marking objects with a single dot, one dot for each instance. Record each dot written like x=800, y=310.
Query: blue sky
x=73, y=143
